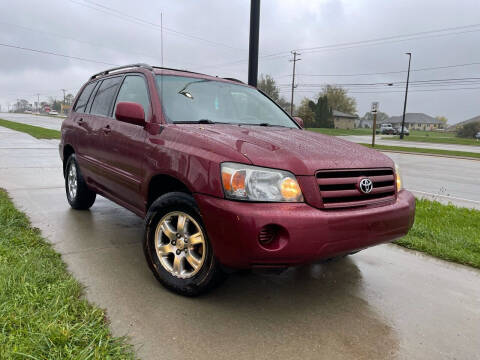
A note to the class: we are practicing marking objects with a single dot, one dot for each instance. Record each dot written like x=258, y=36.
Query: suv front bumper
x=308, y=233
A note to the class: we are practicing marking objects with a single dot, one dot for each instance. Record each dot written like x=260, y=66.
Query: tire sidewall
x=164, y=205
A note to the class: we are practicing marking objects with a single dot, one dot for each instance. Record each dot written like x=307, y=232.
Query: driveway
x=384, y=302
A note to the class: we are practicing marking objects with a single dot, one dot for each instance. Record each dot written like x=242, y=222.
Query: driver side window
x=134, y=89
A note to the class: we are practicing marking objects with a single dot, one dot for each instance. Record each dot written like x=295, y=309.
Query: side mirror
x=298, y=120
x=131, y=113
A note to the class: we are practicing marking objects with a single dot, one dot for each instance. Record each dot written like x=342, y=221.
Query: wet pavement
x=48, y=122
x=384, y=302
x=367, y=139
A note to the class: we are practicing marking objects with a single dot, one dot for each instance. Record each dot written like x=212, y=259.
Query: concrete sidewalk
x=384, y=302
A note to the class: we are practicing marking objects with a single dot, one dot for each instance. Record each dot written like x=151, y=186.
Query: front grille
x=340, y=188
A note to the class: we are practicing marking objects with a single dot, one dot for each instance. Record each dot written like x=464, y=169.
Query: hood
x=299, y=151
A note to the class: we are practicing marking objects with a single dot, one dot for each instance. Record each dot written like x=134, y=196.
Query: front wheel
x=79, y=196
x=177, y=248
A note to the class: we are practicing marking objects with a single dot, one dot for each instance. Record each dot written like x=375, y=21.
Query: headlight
x=253, y=183
x=398, y=178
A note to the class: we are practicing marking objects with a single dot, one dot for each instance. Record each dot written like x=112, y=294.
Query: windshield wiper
x=201, y=121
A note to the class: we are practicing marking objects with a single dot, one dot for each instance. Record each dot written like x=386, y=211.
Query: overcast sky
x=212, y=37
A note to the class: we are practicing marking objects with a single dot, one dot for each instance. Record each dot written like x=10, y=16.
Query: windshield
x=187, y=99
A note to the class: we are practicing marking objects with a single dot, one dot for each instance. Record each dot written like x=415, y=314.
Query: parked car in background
x=398, y=131
x=53, y=112
x=223, y=176
x=386, y=129
x=477, y=135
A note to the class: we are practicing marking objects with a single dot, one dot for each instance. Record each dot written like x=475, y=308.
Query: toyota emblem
x=366, y=185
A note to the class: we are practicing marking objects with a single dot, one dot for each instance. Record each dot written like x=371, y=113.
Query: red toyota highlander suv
x=224, y=178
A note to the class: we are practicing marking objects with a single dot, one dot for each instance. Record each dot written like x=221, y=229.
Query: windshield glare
x=188, y=99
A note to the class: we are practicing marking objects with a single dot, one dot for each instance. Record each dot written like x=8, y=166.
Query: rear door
x=82, y=121
x=126, y=144
x=100, y=110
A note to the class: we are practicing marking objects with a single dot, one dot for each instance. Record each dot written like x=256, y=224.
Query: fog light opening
x=272, y=237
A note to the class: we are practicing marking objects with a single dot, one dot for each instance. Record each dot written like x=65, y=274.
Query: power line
x=56, y=54
x=390, y=72
x=119, y=14
x=411, y=36
x=73, y=39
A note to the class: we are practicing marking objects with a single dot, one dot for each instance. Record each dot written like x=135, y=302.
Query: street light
x=406, y=94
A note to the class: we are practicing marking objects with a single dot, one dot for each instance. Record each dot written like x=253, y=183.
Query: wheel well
x=67, y=151
x=162, y=184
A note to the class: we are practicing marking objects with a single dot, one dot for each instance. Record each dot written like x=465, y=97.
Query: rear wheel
x=177, y=248
x=79, y=196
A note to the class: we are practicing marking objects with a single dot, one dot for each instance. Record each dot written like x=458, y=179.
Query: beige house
x=415, y=121
x=343, y=121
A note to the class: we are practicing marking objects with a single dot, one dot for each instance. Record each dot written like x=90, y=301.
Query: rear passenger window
x=134, y=89
x=83, y=98
x=104, y=98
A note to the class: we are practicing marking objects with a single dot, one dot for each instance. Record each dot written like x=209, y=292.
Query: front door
x=126, y=144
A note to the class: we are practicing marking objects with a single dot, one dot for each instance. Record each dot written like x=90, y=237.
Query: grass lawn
x=42, y=313
x=435, y=137
x=425, y=151
x=445, y=231
x=35, y=131
x=342, y=132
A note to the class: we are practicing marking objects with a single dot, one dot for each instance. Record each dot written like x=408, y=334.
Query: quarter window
x=83, y=98
x=134, y=89
x=104, y=98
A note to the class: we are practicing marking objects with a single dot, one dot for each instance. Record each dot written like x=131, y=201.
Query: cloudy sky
x=359, y=44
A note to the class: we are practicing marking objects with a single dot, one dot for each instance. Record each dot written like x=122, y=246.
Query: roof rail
x=108, y=71
x=182, y=70
x=233, y=79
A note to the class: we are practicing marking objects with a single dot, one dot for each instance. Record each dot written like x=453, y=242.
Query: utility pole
x=63, y=95
x=253, y=43
x=293, y=78
x=406, y=94
x=38, y=102
x=161, y=36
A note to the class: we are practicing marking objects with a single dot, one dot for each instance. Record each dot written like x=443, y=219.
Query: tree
x=338, y=99
x=322, y=112
x=306, y=113
x=468, y=130
x=69, y=99
x=381, y=116
x=443, y=119
x=269, y=86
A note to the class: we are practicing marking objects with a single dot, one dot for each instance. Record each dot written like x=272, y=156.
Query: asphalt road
x=48, y=122
x=367, y=139
x=384, y=302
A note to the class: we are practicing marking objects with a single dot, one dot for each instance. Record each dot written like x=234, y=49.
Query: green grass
x=426, y=151
x=35, y=131
x=445, y=231
x=436, y=137
x=42, y=313
x=342, y=132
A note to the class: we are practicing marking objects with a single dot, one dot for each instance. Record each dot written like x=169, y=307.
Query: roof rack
x=233, y=79
x=182, y=70
x=108, y=71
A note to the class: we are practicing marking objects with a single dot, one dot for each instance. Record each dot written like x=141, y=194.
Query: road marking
x=445, y=196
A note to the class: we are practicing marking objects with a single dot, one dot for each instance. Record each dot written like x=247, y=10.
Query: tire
x=182, y=263
x=79, y=196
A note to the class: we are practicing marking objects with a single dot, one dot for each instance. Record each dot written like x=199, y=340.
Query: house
x=462, y=123
x=343, y=121
x=415, y=121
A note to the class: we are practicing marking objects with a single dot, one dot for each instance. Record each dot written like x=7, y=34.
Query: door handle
x=107, y=129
